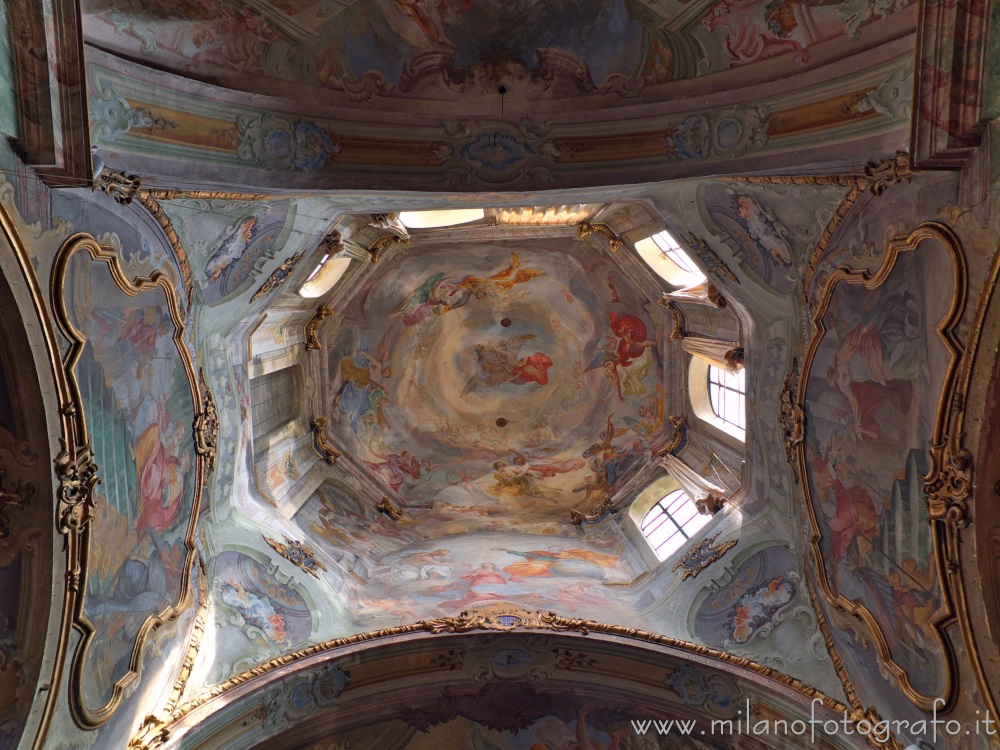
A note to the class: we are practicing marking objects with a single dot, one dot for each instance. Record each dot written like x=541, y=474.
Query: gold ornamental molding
x=321, y=445
x=152, y=731
x=677, y=439
x=856, y=711
x=29, y=282
x=385, y=506
x=678, y=317
x=127, y=188
x=383, y=242
x=700, y=555
x=948, y=482
x=615, y=243
x=298, y=554
x=206, y=426
x=878, y=177
x=312, y=327
x=884, y=174
x=791, y=417
x=77, y=474
x=503, y=617
x=278, y=277
x=579, y=517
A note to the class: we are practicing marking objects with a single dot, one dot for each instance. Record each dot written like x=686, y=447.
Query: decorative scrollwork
x=206, y=426
x=579, y=517
x=380, y=244
x=122, y=187
x=312, y=326
x=885, y=174
x=678, y=332
x=505, y=617
x=791, y=417
x=298, y=554
x=948, y=485
x=326, y=451
x=14, y=497
x=385, y=506
x=278, y=277
x=701, y=555
x=77, y=479
x=614, y=241
x=677, y=439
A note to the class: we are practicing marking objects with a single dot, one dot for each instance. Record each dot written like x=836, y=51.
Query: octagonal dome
x=498, y=384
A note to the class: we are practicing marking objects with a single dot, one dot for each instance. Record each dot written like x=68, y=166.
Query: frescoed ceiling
x=511, y=380
x=411, y=503
x=577, y=93
x=390, y=47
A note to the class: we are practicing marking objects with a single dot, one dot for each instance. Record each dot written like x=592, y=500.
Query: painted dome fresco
x=497, y=384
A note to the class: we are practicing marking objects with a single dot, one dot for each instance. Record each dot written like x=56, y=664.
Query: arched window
x=671, y=522
x=727, y=393
x=665, y=256
x=669, y=247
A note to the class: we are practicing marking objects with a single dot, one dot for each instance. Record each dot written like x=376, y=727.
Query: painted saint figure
x=500, y=363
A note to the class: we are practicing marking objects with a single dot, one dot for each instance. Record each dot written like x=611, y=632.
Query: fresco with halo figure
x=478, y=378
x=136, y=397
x=879, y=363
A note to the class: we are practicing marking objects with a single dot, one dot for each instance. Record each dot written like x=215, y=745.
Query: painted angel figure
x=499, y=362
x=618, y=353
x=439, y=293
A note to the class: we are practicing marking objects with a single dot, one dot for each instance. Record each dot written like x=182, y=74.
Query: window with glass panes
x=669, y=247
x=671, y=522
x=727, y=392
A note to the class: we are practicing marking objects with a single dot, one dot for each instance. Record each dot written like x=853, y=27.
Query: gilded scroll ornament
x=123, y=188
x=885, y=174
x=579, y=517
x=77, y=478
x=381, y=243
x=312, y=326
x=206, y=426
x=385, y=506
x=791, y=416
x=701, y=555
x=499, y=616
x=326, y=451
x=298, y=554
x=948, y=486
x=614, y=241
x=278, y=277
x=678, y=331
x=677, y=439
x=13, y=497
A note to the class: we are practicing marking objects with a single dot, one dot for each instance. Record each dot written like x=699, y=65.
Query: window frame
x=701, y=405
x=718, y=396
x=669, y=510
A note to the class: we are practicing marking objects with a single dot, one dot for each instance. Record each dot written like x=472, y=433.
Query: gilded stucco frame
x=78, y=474
x=944, y=445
